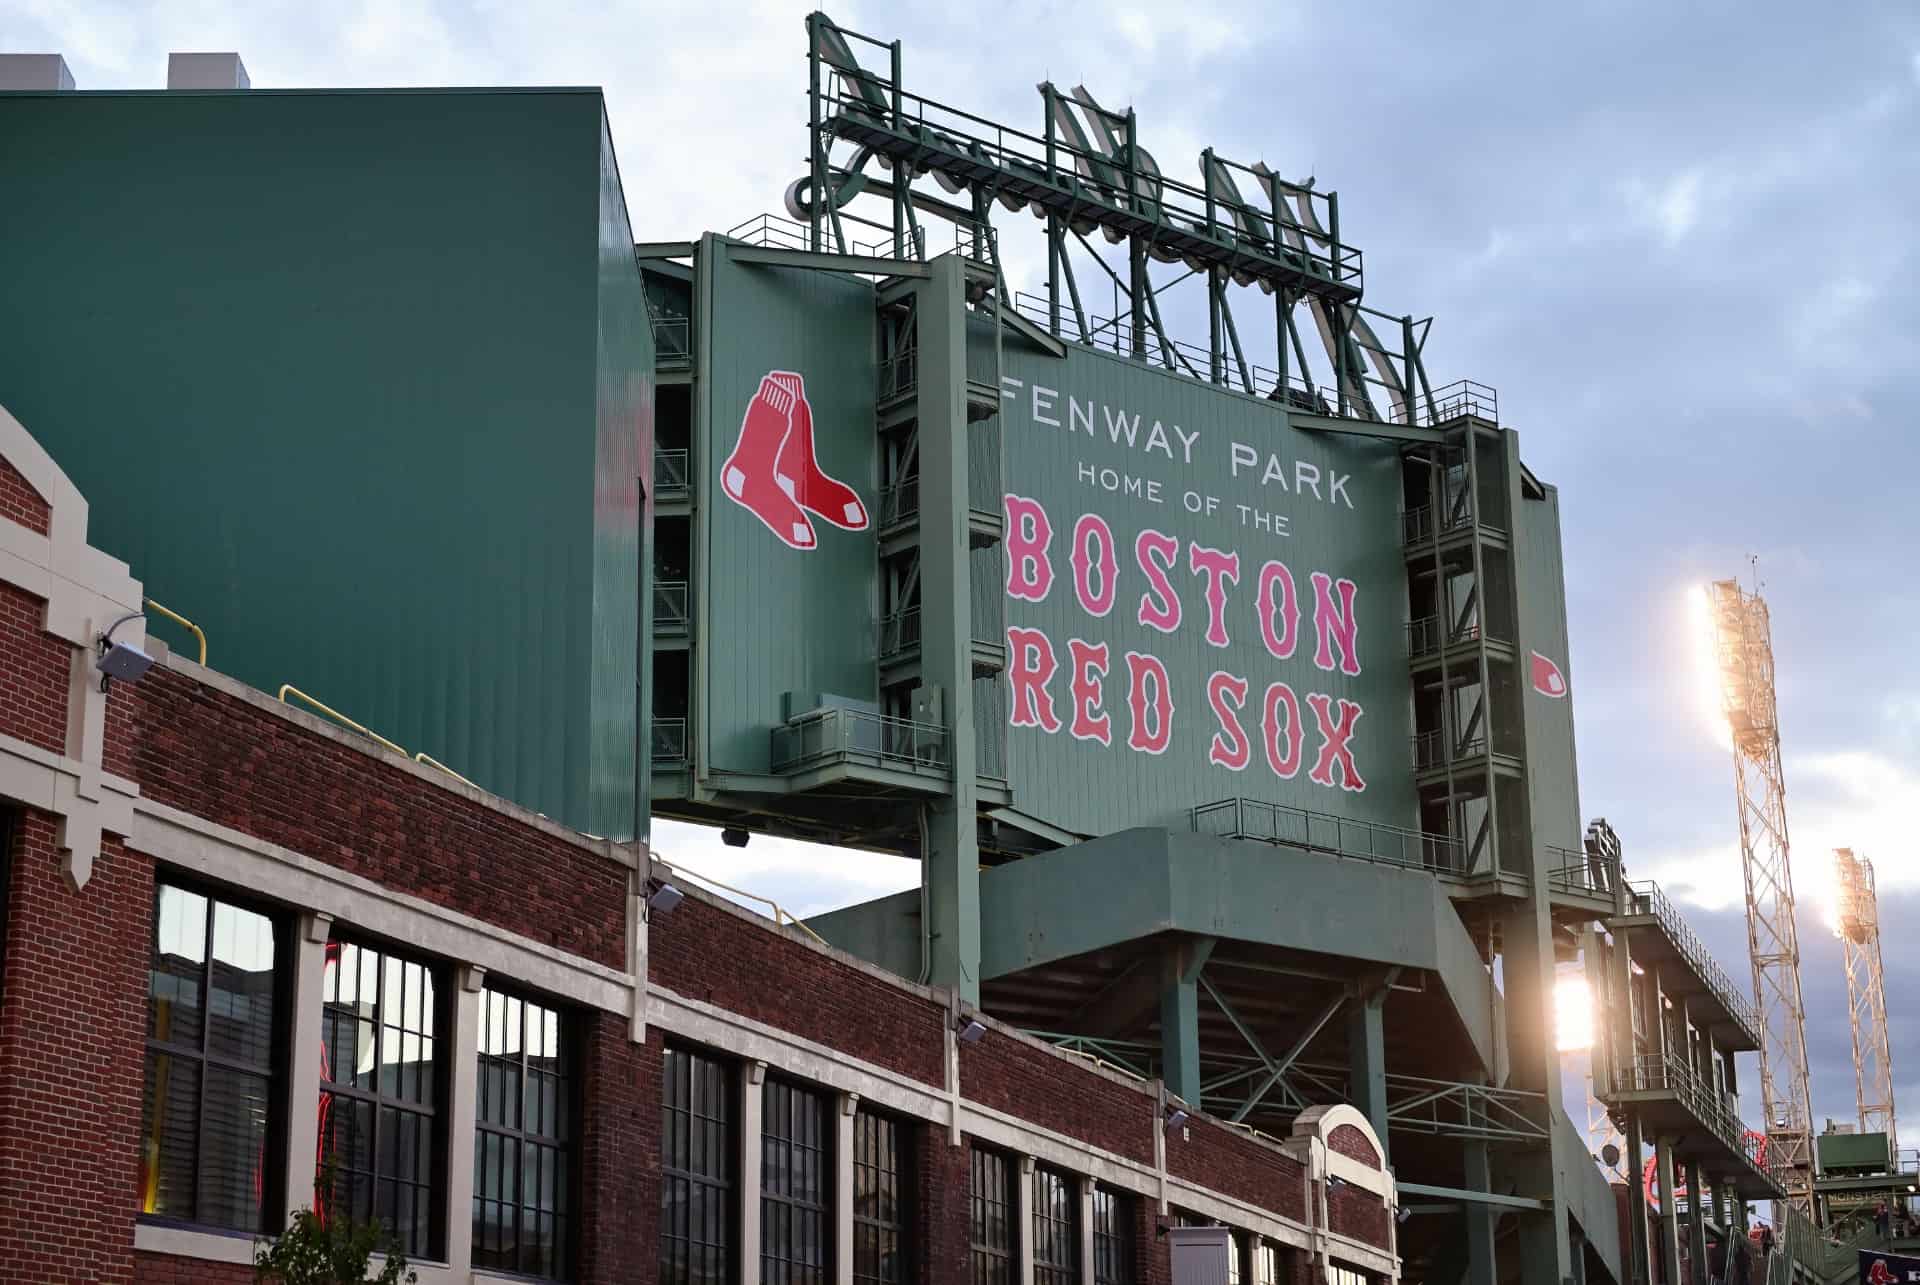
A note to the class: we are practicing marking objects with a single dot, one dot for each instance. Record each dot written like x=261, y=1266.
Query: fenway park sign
x=1128, y=701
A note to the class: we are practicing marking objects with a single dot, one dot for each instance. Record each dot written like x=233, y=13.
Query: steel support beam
x=1367, y=1055
x=1180, y=1016
x=1480, y=1214
x=1669, y=1210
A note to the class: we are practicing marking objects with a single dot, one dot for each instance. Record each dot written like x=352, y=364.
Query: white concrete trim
x=847, y=1106
x=185, y=1242
x=751, y=1077
x=1023, y=1219
x=1083, y=1190
x=463, y=1103
x=218, y=852
x=303, y=1072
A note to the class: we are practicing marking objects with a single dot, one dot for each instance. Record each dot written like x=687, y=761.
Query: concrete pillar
x=1084, y=1195
x=1527, y=973
x=1180, y=1018
x=1482, y=1269
x=753, y=1113
x=303, y=1071
x=1697, y=1224
x=463, y=1101
x=843, y=1188
x=1669, y=1214
x=1023, y=1222
x=946, y=625
x=1367, y=1059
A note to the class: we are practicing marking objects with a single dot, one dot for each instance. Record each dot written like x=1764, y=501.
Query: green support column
x=1639, y=1255
x=1482, y=1268
x=1367, y=1057
x=1528, y=976
x=1669, y=1214
x=1696, y=1225
x=946, y=626
x=1180, y=1017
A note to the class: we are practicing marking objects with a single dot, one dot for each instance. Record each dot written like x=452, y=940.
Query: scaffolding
x=1743, y=654
x=1857, y=923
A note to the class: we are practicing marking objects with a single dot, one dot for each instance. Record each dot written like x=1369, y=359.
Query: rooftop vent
x=206, y=71
x=34, y=72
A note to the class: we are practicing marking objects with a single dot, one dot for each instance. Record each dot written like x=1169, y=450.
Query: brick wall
x=710, y=954
x=1220, y=1157
x=71, y=1040
x=21, y=503
x=34, y=667
x=619, y=1152
x=1353, y=1144
x=1357, y=1213
x=216, y=756
x=940, y=1214
x=1037, y=1085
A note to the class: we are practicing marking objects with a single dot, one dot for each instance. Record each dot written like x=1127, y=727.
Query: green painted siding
x=776, y=619
x=1090, y=788
x=1552, y=776
x=337, y=372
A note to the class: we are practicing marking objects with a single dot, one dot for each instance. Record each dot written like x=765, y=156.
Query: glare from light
x=1706, y=662
x=1572, y=1014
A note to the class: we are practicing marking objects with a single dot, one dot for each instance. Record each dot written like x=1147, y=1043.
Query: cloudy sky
x=1677, y=237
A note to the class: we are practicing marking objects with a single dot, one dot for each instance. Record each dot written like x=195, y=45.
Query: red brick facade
x=73, y=993
x=1348, y=1141
x=20, y=503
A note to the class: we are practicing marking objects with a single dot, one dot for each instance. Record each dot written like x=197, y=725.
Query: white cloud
x=801, y=878
x=1671, y=208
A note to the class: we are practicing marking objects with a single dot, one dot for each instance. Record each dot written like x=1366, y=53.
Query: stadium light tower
x=1857, y=923
x=1743, y=658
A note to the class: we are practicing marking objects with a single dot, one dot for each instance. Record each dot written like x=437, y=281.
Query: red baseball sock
x=749, y=475
x=799, y=471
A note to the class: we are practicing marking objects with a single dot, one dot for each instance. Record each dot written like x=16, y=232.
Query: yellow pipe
x=431, y=761
x=288, y=689
x=781, y=915
x=185, y=624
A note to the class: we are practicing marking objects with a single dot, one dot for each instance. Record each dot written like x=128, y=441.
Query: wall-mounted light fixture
x=124, y=661
x=1176, y=1116
x=662, y=897
x=969, y=1028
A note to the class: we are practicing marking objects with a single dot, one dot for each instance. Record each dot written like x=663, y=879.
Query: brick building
x=236, y=940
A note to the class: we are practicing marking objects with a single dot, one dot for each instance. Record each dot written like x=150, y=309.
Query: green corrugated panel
x=325, y=366
x=774, y=618
x=1853, y=1151
x=1552, y=777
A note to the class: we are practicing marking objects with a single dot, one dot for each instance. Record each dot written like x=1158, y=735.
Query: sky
x=1677, y=238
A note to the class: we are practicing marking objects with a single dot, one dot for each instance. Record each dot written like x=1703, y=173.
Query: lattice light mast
x=1743, y=655
x=1857, y=923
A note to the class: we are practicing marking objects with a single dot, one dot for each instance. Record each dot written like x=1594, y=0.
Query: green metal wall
x=774, y=619
x=1552, y=772
x=358, y=382
x=1090, y=788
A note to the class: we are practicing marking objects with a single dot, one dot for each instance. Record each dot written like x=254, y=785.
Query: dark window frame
x=569, y=1110
x=725, y=1188
x=1113, y=1236
x=435, y=1115
x=785, y=1212
x=989, y=1263
x=875, y=1134
x=1056, y=1239
x=273, y=1163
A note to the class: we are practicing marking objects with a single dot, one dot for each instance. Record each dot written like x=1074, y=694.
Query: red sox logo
x=773, y=473
x=1547, y=678
x=1881, y=1274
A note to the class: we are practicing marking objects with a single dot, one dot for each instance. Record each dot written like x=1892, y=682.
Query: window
x=380, y=1085
x=696, y=1170
x=1338, y=1275
x=522, y=1161
x=1056, y=1229
x=1112, y=1238
x=1234, y=1251
x=879, y=1205
x=213, y=1044
x=1268, y=1261
x=795, y=1185
x=990, y=1217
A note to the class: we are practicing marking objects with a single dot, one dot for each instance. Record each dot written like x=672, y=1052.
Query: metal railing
x=671, y=614
x=899, y=633
x=178, y=619
x=841, y=735
x=900, y=502
x=1427, y=635
x=1430, y=750
x=670, y=475
x=781, y=915
x=1658, y=1073
x=667, y=739
x=899, y=374
x=1460, y=1110
x=1646, y=898
x=672, y=349
x=321, y=707
x=1577, y=872
x=1293, y=827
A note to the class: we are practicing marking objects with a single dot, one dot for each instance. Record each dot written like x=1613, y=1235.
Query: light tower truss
x=1857, y=922
x=1743, y=653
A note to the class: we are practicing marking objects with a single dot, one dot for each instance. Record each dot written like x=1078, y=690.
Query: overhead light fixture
x=1610, y=1155
x=1401, y=1214
x=124, y=661
x=662, y=897
x=734, y=838
x=1176, y=1116
x=969, y=1028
